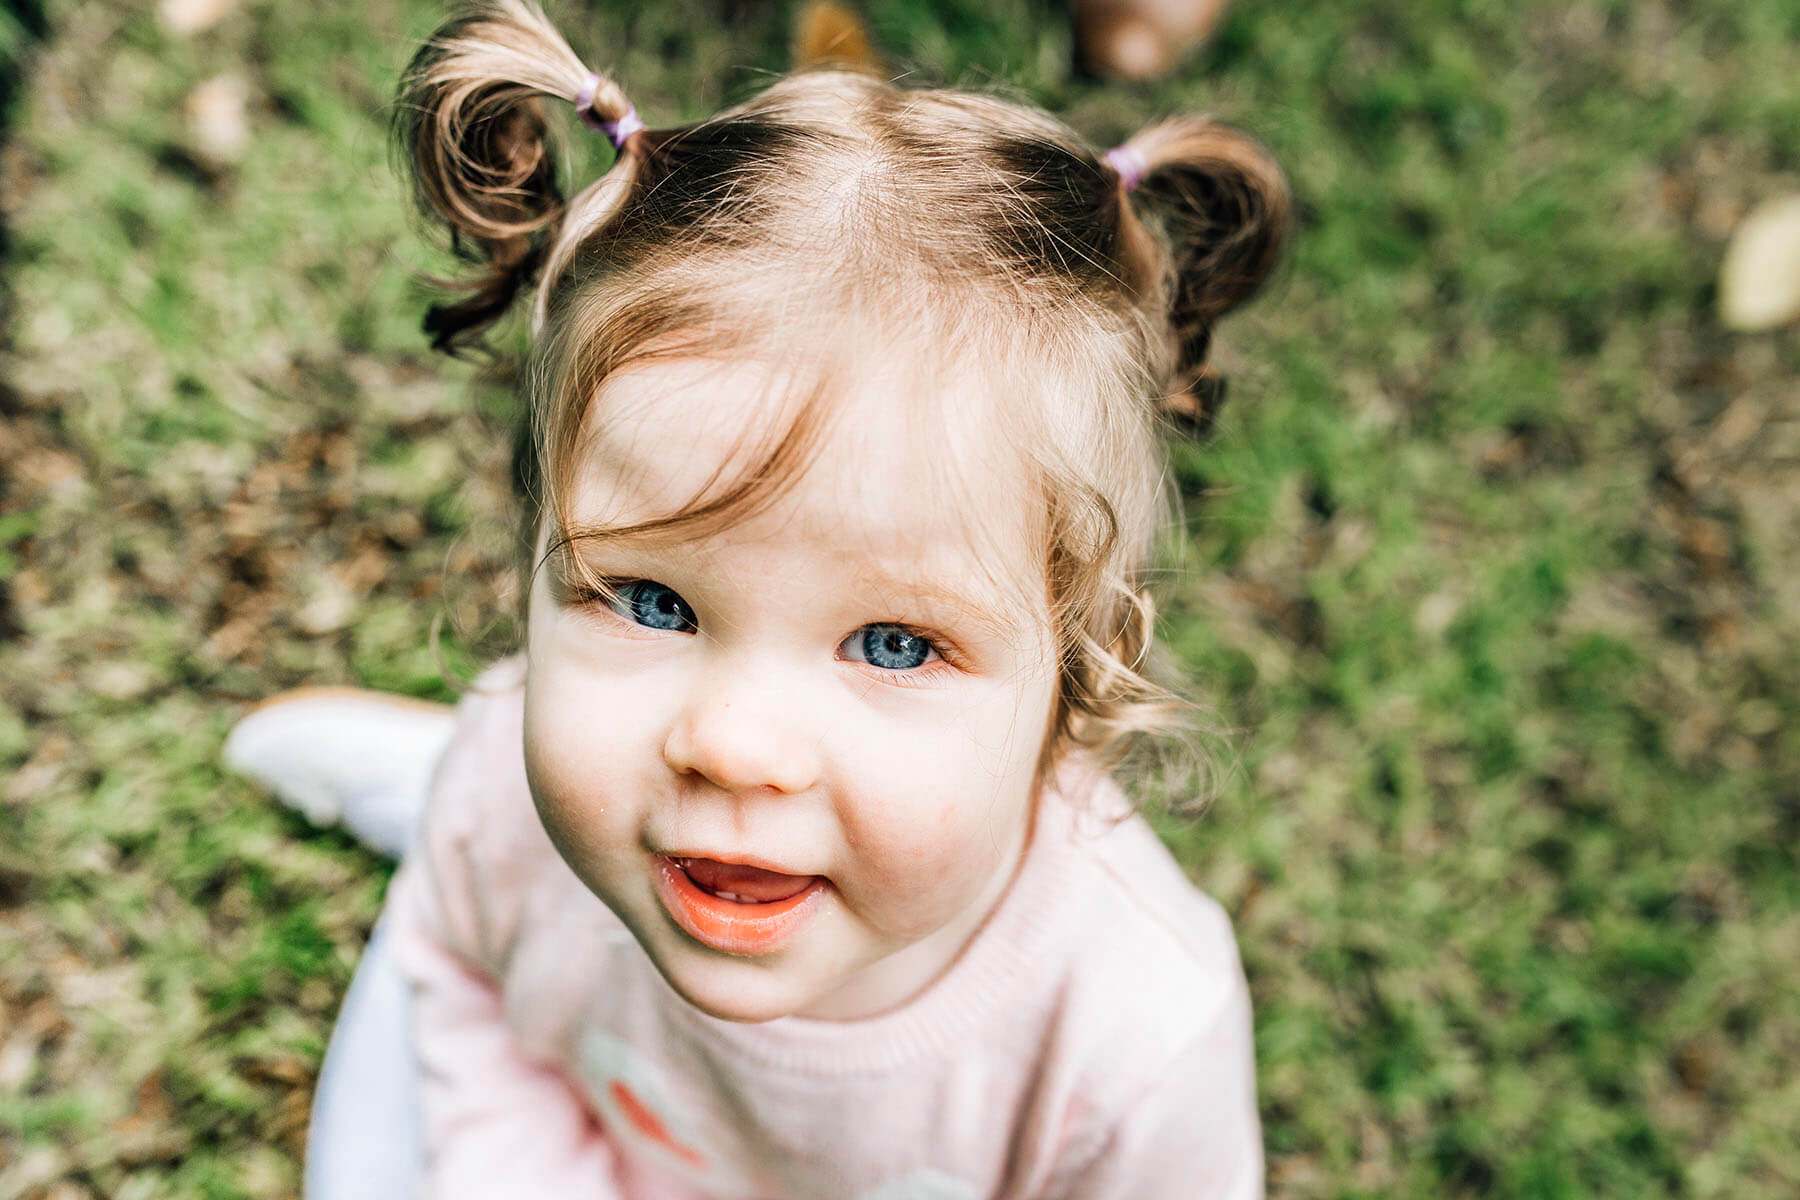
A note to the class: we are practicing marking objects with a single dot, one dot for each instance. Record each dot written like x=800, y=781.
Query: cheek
x=580, y=770
x=950, y=792
x=566, y=804
x=931, y=861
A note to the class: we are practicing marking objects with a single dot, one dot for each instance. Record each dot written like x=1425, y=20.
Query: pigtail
x=471, y=129
x=1223, y=208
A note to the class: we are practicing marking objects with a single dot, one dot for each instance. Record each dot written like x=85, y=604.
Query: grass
x=1492, y=565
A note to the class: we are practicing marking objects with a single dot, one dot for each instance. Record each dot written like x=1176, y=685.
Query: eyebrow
x=991, y=608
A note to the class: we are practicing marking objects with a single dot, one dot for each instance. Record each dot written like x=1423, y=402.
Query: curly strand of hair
x=469, y=125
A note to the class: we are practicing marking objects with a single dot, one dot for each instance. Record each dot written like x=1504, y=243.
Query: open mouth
x=735, y=908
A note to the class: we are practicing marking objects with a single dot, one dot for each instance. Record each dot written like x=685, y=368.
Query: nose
x=742, y=740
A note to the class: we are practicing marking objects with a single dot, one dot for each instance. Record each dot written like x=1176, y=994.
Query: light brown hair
x=981, y=228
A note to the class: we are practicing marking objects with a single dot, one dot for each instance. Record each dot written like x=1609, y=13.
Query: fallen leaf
x=1759, y=282
x=216, y=118
x=188, y=17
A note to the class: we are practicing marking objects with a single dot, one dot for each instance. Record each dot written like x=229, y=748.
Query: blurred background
x=1489, y=565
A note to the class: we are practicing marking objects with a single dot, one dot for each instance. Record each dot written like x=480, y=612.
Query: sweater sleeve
x=1194, y=1134
x=497, y=1123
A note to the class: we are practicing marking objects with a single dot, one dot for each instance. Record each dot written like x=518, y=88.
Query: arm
x=497, y=1123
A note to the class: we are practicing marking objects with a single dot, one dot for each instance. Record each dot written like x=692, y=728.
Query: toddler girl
x=784, y=863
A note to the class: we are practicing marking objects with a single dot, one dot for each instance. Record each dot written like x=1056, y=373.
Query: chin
x=730, y=989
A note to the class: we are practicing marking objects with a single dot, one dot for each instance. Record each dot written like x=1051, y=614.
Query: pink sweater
x=1093, y=1041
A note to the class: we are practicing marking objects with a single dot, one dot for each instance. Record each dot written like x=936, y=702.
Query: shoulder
x=482, y=773
x=1157, y=947
x=494, y=705
x=1154, y=1009
x=481, y=844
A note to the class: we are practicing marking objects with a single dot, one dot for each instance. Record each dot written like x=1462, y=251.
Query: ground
x=1490, y=570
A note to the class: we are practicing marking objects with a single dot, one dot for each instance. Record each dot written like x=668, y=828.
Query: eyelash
x=948, y=659
x=923, y=676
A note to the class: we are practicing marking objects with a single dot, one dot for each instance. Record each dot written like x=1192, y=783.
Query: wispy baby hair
x=833, y=206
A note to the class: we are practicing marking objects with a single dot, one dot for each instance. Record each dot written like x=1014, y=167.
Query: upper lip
x=735, y=860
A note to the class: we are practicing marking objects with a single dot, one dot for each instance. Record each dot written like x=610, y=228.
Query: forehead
x=905, y=458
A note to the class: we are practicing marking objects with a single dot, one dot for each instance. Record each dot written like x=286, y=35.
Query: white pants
x=366, y=760
x=366, y=1138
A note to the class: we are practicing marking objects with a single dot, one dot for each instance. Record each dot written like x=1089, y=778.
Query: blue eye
x=890, y=647
x=653, y=605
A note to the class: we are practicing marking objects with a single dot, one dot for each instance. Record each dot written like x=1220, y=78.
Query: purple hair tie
x=617, y=132
x=1129, y=162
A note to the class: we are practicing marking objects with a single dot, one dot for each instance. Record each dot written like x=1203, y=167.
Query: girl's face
x=797, y=757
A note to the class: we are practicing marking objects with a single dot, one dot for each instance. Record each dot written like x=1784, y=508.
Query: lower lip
x=728, y=926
